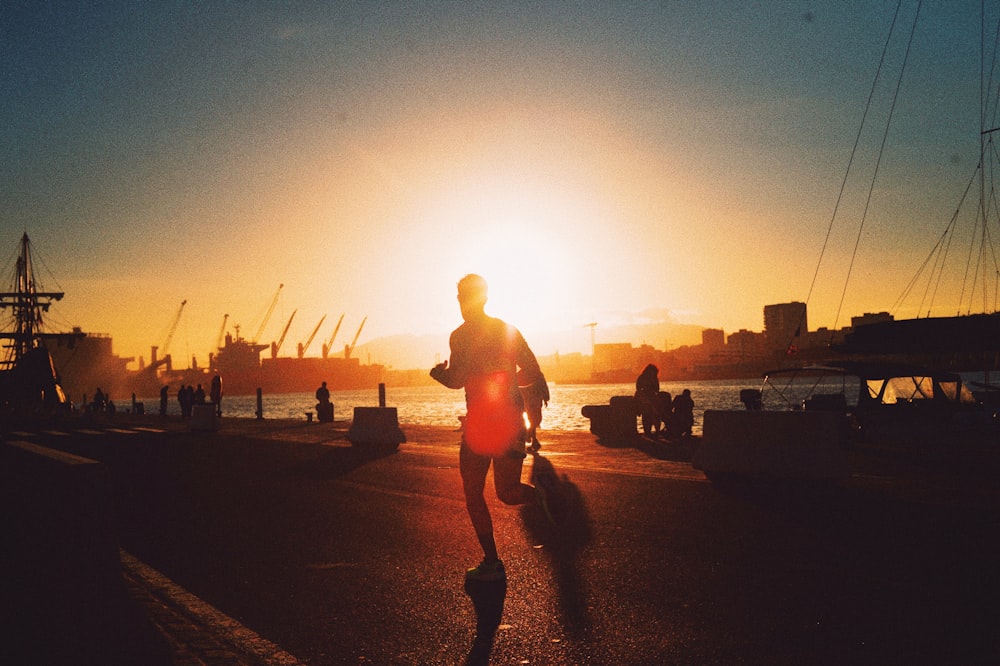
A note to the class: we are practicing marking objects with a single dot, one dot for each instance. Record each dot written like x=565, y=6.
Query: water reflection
x=435, y=405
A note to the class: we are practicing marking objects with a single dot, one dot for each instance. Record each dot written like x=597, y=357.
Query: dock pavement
x=277, y=542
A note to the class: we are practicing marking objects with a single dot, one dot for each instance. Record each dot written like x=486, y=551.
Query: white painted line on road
x=224, y=627
x=57, y=433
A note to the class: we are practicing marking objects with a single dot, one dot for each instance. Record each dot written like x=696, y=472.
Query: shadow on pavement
x=676, y=449
x=488, y=599
x=563, y=541
x=337, y=461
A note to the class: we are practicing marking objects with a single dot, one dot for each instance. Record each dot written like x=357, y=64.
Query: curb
x=196, y=632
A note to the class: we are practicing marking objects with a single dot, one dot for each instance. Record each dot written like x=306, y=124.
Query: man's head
x=471, y=294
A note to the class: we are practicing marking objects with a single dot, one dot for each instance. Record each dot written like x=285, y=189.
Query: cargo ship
x=242, y=370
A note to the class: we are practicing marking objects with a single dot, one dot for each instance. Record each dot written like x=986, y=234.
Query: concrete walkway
x=334, y=555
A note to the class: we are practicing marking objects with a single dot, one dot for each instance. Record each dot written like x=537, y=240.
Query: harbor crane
x=304, y=346
x=349, y=349
x=267, y=315
x=592, y=325
x=593, y=345
x=275, y=346
x=329, y=345
x=222, y=332
x=154, y=360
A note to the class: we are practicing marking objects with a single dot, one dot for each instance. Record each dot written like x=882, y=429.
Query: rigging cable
x=878, y=163
x=850, y=161
x=986, y=197
x=987, y=204
x=937, y=252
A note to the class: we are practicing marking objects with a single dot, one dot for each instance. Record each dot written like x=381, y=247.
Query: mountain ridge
x=411, y=352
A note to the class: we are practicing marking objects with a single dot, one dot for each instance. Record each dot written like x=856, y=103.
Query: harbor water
x=436, y=405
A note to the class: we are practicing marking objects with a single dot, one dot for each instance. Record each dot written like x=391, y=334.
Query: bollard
x=324, y=412
x=260, y=404
x=377, y=427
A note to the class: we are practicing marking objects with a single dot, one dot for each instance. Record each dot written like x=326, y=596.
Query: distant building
x=86, y=361
x=566, y=368
x=745, y=345
x=822, y=338
x=871, y=318
x=783, y=323
x=612, y=357
x=713, y=339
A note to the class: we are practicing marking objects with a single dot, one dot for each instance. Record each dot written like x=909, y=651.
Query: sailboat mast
x=27, y=305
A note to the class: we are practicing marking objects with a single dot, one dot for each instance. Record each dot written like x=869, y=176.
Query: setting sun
x=509, y=234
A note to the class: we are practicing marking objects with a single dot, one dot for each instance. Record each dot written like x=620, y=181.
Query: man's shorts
x=515, y=450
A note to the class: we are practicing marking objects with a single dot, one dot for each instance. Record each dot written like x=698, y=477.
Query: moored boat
x=803, y=420
x=29, y=381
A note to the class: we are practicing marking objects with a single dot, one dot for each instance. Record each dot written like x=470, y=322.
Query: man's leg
x=473, y=468
x=507, y=479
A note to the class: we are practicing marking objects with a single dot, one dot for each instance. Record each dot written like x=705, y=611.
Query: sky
x=596, y=161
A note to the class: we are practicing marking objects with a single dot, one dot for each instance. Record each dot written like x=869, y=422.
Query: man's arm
x=526, y=360
x=452, y=377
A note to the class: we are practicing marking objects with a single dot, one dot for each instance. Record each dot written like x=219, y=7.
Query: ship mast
x=27, y=305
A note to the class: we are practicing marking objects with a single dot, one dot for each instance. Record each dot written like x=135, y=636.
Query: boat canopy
x=888, y=383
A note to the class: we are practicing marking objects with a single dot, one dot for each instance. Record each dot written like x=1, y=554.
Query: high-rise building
x=713, y=338
x=783, y=322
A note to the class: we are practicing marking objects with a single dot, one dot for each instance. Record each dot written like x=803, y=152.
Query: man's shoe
x=487, y=571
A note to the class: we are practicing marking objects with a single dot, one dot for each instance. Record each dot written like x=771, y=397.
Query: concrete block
x=375, y=425
x=614, y=420
x=203, y=418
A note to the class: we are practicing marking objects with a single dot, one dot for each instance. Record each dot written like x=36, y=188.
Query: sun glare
x=528, y=205
x=517, y=238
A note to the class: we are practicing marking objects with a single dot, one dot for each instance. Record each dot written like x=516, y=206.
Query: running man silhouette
x=486, y=353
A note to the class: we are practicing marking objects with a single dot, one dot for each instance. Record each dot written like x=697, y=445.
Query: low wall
x=793, y=445
x=616, y=420
x=61, y=581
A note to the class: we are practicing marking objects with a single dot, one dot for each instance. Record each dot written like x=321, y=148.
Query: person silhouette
x=486, y=353
x=535, y=395
x=647, y=386
x=683, y=413
x=215, y=393
x=324, y=408
x=323, y=394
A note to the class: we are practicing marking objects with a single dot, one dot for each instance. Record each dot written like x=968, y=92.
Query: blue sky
x=610, y=162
